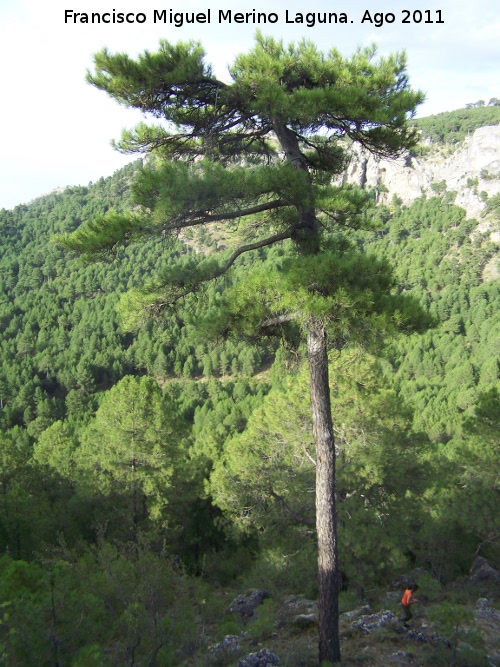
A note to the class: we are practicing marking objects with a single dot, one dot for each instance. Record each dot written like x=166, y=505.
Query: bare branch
x=259, y=244
x=281, y=319
x=230, y=215
x=270, y=240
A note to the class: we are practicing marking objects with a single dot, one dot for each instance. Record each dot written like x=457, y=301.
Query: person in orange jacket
x=406, y=601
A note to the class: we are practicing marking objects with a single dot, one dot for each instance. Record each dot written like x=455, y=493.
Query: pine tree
x=133, y=444
x=260, y=153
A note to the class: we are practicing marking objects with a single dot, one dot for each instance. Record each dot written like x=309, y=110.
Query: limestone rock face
x=474, y=167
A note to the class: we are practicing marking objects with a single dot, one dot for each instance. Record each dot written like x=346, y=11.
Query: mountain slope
x=471, y=168
x=130, y=458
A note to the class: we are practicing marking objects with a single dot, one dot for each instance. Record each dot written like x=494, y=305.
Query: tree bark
x=326, y=514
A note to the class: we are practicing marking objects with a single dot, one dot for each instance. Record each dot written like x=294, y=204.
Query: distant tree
x=264, y=476
x=480, y=478
x=260, y=152
x=132, y=446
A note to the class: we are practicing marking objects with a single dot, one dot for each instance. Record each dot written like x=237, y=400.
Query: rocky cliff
x=470, y=169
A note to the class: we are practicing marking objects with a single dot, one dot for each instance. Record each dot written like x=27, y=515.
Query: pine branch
x=288, y=234
x=158, y=307
x=231, y=215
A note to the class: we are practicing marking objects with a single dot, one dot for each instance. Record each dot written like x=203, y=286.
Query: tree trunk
x=308, y=242
x=326, y=514
x=307, y=237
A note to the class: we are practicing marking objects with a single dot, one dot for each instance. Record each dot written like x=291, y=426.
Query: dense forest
x=147, y=466
x=452, y=127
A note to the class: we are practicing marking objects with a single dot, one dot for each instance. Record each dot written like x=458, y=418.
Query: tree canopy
x=264, y=145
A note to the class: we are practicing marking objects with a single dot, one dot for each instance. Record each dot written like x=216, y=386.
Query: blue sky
x=57, y=129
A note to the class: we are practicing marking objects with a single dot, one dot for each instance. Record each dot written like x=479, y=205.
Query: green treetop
x=259, y=153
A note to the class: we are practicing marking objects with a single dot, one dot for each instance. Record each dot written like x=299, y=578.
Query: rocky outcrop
x=245, y=605
x=305, y=621
x=482, y=571
x=472, y=168
x=264, y=658
x=488, y=621
x=356, y=613
x=227, y=647
x=372, y=621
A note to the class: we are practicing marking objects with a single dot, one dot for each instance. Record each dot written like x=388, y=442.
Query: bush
x=430, y=588
x=278, y=573
x=230, y=626
x=263, y=627
x=456, y=624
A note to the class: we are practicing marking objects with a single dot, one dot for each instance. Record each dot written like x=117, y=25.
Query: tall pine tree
x=261, y=152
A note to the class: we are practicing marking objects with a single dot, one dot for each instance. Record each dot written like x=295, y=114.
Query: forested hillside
x=146, y=468
x=452, y=127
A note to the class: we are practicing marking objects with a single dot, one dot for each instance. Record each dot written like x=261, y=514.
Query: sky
x=56, y=128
